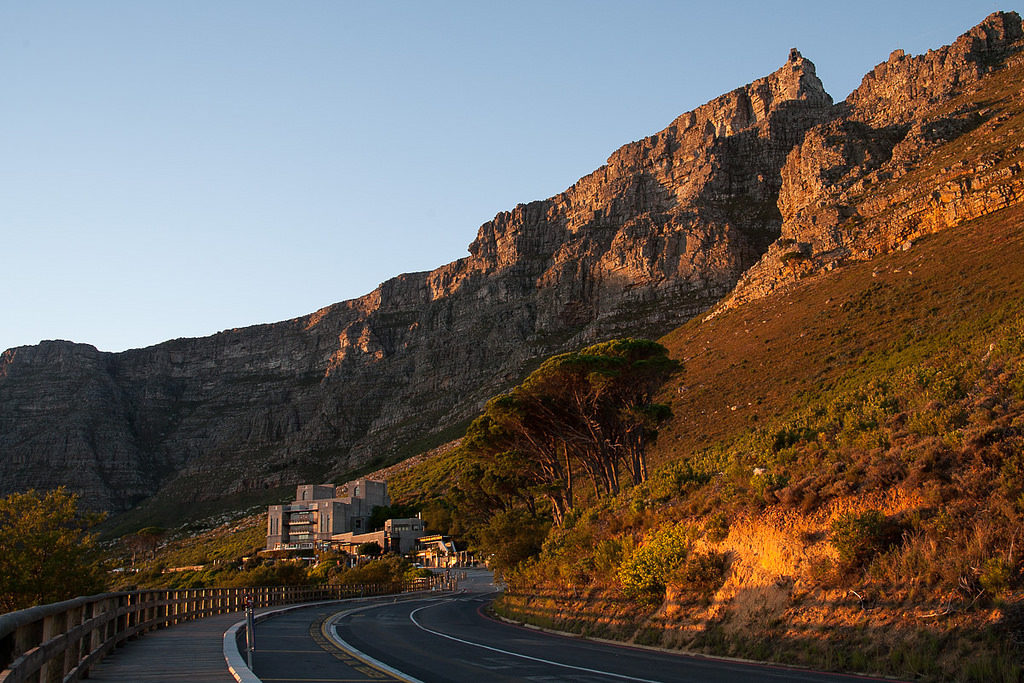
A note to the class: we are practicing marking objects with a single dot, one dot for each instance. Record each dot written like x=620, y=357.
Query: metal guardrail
x=63, y=640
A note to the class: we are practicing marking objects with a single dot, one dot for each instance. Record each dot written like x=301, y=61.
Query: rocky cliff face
x=925, y=143
x=655, y=236
x=771, y=180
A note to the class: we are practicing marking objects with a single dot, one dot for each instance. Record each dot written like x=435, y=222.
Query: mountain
x=740, y=197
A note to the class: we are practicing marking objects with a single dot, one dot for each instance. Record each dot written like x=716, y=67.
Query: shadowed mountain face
x=656, y=236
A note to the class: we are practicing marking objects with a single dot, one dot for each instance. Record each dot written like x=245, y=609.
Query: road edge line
x=777, y=666
x=562, y=665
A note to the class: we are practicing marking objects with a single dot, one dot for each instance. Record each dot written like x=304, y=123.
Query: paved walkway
x=192, y=651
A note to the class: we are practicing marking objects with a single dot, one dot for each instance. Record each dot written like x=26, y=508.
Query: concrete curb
x=236, y=663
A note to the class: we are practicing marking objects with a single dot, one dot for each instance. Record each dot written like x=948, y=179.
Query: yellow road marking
x=319, y=635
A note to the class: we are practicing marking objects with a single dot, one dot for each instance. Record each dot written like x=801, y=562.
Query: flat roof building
x=321, y=511
x=397, y=536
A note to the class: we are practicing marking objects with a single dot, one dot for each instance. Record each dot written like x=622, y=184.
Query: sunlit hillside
x=846, y=463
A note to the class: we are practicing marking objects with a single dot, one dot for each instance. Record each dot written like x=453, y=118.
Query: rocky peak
x=994, y=37
x=796, y=81
x=49, y=354
x=679, y=165
x=856, y=185
x=895, y=89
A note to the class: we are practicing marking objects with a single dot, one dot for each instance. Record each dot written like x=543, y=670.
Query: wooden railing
x=61, y=641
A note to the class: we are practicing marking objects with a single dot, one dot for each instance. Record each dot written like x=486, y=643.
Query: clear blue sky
x=171, y=169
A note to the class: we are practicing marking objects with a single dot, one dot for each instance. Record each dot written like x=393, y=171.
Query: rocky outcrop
x=61, y=399
x=654, y=237
x=894, y=92
x=925, y=143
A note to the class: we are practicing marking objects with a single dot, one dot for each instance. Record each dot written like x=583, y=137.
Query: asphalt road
x=292, y=647
x=448, y=639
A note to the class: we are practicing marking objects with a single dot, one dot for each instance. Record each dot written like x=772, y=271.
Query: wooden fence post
x=73, y=652
x=52, y=626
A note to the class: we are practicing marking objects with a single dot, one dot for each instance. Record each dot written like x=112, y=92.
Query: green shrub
x=790, y=436
x=509, y=537
x=764, y=483
x=413, y=573
x=371, y=549
x=608, y=554
x=1011, y=474
x=995, y=575
x=681, y=476
x=860, y=536
x=1016, y=385
x=716, y=527
x=282, y=573
x=389, y=569
x=647, y=569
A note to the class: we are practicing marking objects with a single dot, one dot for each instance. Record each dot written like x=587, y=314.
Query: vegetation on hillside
x=840, y=489
x=329, y=568
x=227, y=556
x=573, y=430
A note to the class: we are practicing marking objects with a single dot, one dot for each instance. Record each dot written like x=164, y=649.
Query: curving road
x=448, y=639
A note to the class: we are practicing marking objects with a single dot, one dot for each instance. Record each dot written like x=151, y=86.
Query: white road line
x=412, y=617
